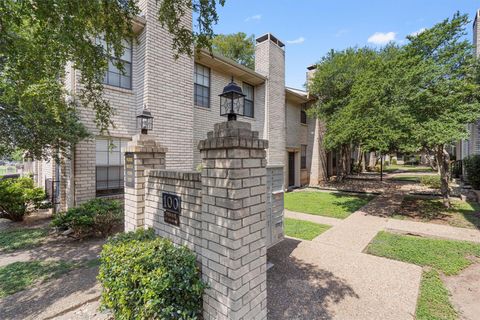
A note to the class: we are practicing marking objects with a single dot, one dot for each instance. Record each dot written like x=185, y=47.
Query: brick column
x=233, y=222
x=147, y=154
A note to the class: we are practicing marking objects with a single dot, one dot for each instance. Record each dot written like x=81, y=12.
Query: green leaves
x=236, y=46
x=419, y=95
x=19, y=197
x=39, y=41
x=145, y=277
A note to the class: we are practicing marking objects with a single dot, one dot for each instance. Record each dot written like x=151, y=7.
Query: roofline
x=295, y=94
x=233, y=63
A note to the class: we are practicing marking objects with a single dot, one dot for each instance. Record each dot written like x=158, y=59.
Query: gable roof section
x=296, y=95
x=228, y=66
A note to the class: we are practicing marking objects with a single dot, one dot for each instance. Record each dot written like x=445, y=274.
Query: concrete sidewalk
x=312, y=280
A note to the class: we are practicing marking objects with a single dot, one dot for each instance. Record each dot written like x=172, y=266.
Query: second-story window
x=303, y=114
x=114, y=75
x=248, y=90
x=303, y=157
x=202, y=86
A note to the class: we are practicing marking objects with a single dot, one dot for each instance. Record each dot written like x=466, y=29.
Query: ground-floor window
x=303, y=157
x=109, y=166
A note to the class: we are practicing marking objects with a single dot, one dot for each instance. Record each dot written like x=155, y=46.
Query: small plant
x=95, y=217
x=147, y=277
x=394, y=161
x=19, y=197
x=431, y=181
x=472, y=166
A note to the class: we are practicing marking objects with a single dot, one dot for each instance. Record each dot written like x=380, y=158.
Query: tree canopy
x=39, y=38
x=236, y=46
x=419, y=95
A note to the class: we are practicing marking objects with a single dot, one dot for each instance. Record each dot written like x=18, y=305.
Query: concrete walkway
x=311, y=280
x=331, y=278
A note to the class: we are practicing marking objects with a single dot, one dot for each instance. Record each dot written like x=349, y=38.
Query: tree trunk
x=373, y=161
x=364, y=160
x=343, y=163
x=443, y=162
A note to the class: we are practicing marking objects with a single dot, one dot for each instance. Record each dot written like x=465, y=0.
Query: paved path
x=318, y=281
x=313, y=218
x=53, y=298
x=331, y=278
x=433, y=230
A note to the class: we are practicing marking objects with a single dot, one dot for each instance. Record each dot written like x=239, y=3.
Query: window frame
x=108, y=191
x=195, y=84
x=303, y=157
x=112, y=60
x=303, y=113
x=252, y=100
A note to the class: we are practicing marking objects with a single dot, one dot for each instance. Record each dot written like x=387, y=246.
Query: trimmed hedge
x=472, y=166
x=147, y=277
x=95, y=217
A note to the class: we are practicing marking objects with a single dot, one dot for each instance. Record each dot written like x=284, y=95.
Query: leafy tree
x=236, y=46
x=39, y=38
x=416, y=97
x=442, y=74
x=334, y=84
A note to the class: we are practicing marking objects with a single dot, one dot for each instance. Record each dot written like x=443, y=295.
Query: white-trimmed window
x=109, y=165
x=202, y=86
x=248, y=91
x=114, y=76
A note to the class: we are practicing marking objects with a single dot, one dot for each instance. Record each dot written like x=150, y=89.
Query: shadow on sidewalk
x=52, y=297
x=299, y=290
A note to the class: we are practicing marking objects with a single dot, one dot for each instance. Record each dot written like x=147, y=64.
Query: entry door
x=291, y=169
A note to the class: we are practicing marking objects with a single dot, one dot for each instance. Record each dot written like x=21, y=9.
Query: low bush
x=431, y=181
x=19, y=197
x=472, y=167
x=147, y=277
x=95, y=217
x=394, y=161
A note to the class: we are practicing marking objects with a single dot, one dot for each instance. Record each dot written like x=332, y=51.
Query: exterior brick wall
x=187, y=185
x=270, y=62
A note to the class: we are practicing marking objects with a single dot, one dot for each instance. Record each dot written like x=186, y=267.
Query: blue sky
x=310, y=28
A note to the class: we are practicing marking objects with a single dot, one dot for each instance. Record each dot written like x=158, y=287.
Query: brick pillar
x=147, y=153
x=233, y=222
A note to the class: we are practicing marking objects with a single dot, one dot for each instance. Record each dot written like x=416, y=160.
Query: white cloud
x=382, y=38
x=416, y=33
x=299, y=40
x=254, y=18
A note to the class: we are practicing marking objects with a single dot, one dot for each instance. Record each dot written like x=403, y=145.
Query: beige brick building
x=182, y=95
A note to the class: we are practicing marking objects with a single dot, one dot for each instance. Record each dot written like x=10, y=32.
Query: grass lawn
x=405, y=178
x=17, y=239
x=305, y=230
x=399, y=167
x=18, y=276
x=433, y=302
x=329, y=204
x=462, y=214
x=445, y=256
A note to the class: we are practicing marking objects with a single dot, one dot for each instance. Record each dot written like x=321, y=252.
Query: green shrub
x=472, y=167
x=431, y=181
x=19, y=197
x=95, y=217
x=394, y=161
x=146, y=277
